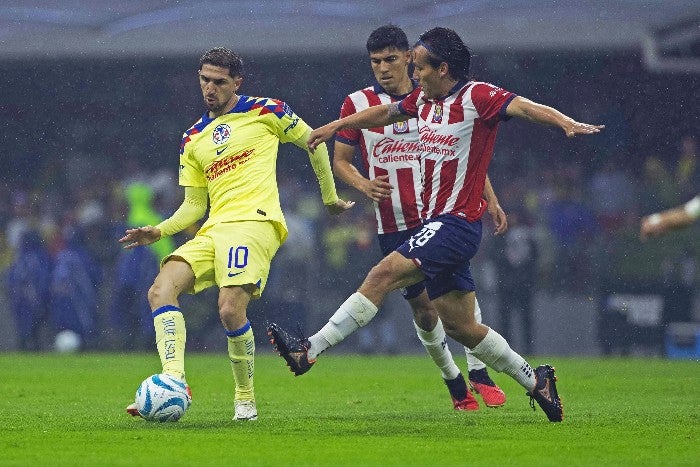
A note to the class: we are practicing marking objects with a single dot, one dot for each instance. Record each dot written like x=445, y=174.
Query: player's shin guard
x=354, y=313
x=241, y=352
x=435, y=343
x=170, y=339
x=474, y=363
x=496, y=353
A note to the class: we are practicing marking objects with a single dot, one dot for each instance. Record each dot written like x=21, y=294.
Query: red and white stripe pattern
x=393, y=150
x=457, y=136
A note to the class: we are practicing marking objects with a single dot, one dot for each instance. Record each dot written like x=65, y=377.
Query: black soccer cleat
x=545, y=393
x=295, y=350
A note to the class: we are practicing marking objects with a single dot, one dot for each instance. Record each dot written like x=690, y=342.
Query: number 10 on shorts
x=238, y=257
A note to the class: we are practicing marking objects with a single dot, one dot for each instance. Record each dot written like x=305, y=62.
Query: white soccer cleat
x=245, y=410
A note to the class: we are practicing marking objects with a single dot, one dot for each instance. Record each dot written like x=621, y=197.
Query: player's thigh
x=243, y=252
x=389, y=242
x=393, y=272
x=176, y=276
x=456, y=310
x=198, y=255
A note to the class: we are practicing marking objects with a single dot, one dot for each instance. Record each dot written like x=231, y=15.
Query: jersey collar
x=379, y=89
x=460, y=84
x=236, y=108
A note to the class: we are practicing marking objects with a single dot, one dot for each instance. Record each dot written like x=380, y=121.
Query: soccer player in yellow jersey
x=228, y=156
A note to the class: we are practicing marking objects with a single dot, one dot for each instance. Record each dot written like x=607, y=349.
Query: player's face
x=429, y=78
x=390, y=67
x=218, y=88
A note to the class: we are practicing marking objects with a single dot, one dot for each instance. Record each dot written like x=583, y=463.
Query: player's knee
x=454, y=328
x=158, y=295
x=425, y=317
x=463, y=331
x=231, y=317
x=379, y=277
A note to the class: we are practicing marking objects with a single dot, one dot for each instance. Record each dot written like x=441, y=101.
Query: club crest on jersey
x=221, y=133
x=437, y=113
x=400, y=127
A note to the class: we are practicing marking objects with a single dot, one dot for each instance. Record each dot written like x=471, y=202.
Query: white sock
x=496, y=353
x=474, y=363
x=435, y=343
x=354, y=313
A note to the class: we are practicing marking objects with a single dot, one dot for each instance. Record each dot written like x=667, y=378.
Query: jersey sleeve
x=190, y=172
x=491, y=101
x=285, y=123
x=349, y=136
x=409, y=104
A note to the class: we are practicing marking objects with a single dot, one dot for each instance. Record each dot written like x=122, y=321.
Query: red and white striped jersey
x=392, y=150
x=457, y=135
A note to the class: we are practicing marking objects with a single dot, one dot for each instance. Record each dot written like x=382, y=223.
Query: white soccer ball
x=162, y=398
x=67, y=341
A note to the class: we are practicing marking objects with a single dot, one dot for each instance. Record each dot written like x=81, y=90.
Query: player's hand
x=378, y=188
x=573, y=128
x=339, y=206
x=321, y=135
x=500, y=220
x=140, y=236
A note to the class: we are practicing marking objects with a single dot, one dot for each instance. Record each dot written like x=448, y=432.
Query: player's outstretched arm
x=320, y=162
x=660, y=223
x=193, y=208
x=545, y=115
x=140, y=236
x=339, y=206
x=371, y=117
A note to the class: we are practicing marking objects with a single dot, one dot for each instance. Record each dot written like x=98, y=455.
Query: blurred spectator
x=687, y=170
x=573, y=227
x=660, y=189
x=516, y=263
x=130, y=313
x=74, y=288
x=22, y=219
x=28, y=281
x=612, y=194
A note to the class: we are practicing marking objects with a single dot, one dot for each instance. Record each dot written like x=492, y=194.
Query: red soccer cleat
x=493, y=395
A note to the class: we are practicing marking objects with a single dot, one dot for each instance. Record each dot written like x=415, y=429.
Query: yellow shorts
x=231, y=253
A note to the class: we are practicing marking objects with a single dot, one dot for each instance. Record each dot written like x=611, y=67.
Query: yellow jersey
x=235, y=156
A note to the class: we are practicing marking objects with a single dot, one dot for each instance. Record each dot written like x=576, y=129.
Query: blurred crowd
x=106, y=160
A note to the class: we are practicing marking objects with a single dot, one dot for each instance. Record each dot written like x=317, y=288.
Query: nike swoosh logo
x=235, y=273
x=219, y=151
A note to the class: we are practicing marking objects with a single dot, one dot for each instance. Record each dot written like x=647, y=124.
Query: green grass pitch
x=349, y=410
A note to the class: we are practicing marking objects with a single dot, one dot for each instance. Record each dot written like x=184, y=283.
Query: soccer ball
x=67, y=341
x=162, y=398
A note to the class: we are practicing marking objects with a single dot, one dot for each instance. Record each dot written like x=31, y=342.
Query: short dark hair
x=387, y=36
x=445, y=45
x=225, y=58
